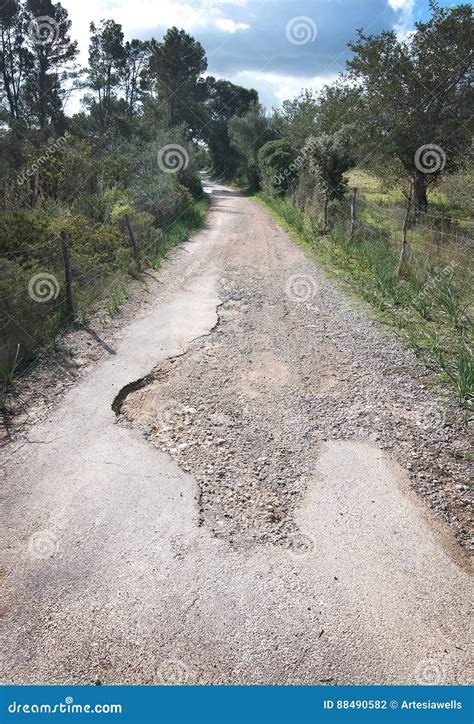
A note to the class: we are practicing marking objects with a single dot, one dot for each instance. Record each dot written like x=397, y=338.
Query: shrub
x=276, y=166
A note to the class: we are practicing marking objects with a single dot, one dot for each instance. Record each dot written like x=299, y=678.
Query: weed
x=53, y=342
x=461, y=373
x=448, y=298
x=9, y=367
x=118, y=294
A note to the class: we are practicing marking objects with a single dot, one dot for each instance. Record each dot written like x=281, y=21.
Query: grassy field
x=430, y=306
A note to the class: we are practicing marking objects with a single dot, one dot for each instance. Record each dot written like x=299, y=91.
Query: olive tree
x=417, y=94
x=328, y=158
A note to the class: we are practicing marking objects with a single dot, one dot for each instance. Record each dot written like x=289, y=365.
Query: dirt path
x=244, y=514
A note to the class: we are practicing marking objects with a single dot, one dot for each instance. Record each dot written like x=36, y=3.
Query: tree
x=106, y=70
x=248, y=134
x=15, y=57
x=223, y=101
x=296, y=120
x=276, y=166
x=339, y=104
x=137, y=55
x=328, y=159
x=417, y=95
x=51, y=53
x=176, y=65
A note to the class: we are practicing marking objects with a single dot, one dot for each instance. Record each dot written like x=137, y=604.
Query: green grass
x=430, y=307
x=9, y=368
x=118, y=293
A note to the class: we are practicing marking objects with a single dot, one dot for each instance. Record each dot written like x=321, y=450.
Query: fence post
x=353, y=212
x=133, y=242
x=404, y=250
x=67, y=276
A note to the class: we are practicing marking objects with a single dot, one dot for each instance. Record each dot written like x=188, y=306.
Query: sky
x=278, y=47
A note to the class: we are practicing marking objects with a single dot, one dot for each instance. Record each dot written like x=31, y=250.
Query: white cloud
x=230, y=26
x=143, y=18
x=399, y=4
x=276, y=87
x=405, y=8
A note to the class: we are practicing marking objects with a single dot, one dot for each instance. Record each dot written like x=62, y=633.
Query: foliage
x=276, y=167
x=224, y=100
x=329, y=158
x=418, y=91
x=247, y=134
x=175, y=67
x=106, y=70
x=88, y=174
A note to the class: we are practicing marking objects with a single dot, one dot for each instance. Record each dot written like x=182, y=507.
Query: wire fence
x=415, y=237
x=47, y=287
x=398, y=259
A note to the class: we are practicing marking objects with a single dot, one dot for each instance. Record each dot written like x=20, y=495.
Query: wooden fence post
x=353, y=212
x=133, y=242
x=404, y=250
x=325, y=222
x=67, y=276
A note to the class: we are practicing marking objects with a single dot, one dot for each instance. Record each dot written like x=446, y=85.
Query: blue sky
x=278, y=47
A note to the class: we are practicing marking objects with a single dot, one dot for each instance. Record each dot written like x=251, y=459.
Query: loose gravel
x=294, y=362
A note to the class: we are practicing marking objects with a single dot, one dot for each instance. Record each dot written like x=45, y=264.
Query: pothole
x=205, y=409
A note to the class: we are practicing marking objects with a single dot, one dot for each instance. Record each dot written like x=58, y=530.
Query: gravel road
x=258, y=487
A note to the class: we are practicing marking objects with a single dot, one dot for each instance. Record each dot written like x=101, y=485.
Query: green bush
x=276, y=167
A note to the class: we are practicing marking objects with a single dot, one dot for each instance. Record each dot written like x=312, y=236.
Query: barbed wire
x=25, y=251
x=448, y=218
x=402, y=211
x=84, y=279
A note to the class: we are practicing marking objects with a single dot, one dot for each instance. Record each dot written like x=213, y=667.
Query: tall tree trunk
x=43, y=90
x=420, y=199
